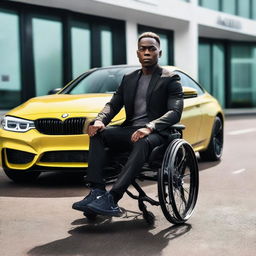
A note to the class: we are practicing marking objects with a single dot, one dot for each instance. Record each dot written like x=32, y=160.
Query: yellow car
x=45, y=133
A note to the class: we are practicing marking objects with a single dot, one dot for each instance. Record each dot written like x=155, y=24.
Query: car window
x=100, y=81
x=189, y=82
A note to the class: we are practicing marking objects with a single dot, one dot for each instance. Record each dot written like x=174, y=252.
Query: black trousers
x=119, y=138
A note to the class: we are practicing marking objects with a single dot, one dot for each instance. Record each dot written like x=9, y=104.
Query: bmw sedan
x=46, y=133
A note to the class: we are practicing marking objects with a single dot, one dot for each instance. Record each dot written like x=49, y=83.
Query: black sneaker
x=80, y=205
x=104, y=205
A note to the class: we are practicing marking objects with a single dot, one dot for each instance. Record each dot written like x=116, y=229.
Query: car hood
x=56, y=105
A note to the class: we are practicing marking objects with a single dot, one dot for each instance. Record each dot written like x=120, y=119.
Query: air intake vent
x=65, y=156
x=19, y=157
x=54, y=126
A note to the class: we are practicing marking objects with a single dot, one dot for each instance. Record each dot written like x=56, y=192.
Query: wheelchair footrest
x=143, y=198
x=149, y=200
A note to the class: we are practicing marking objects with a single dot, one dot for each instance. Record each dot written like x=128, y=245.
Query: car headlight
x=15, y=124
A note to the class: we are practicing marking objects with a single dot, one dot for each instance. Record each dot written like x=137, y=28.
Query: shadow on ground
x=60, y=184
x=126, y=236
x=48, y=185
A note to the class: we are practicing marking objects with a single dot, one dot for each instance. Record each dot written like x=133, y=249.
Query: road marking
x=242, y=131
x=239, y=171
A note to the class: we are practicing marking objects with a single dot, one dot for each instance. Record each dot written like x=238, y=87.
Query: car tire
x=20, y=176
x=215, y=147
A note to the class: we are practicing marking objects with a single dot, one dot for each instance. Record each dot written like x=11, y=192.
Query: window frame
x=26, y=11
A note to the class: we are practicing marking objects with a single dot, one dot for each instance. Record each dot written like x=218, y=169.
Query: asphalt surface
x=38, y=220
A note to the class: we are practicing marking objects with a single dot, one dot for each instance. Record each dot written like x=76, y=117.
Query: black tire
x=149, y=217
x=20, y=176
x=215, y=147
x=178, y=182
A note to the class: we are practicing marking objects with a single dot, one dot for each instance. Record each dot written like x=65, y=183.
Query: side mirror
x=54, y=91
x=189, y=92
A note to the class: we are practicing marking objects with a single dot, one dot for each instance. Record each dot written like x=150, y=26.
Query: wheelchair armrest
x=178, y=127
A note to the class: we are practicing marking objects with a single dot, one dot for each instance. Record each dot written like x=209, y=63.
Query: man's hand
x=140, y=133
x=97, y=126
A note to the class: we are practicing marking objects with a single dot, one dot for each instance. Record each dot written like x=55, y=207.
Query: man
x=153, y=101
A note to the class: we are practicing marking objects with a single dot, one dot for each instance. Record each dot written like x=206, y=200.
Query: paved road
x=38, y=220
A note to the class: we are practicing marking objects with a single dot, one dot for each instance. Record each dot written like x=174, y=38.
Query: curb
x=239, y=112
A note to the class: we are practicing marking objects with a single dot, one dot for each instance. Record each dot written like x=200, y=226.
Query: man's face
x=148, y=52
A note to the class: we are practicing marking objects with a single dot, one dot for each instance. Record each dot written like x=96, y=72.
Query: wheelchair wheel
x=178, y=182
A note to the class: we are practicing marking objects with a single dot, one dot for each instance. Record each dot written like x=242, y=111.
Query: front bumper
x=22, y=151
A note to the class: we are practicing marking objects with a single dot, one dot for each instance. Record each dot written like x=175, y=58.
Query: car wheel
x=215, y=147
x=20, y=176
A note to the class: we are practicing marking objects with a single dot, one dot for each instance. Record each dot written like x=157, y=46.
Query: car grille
x=54, y=126
x=19, y=157
x=65, y=156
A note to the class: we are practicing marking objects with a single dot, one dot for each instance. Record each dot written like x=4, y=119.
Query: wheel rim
x=218, y=137
x=183, y=183
x=178, y=182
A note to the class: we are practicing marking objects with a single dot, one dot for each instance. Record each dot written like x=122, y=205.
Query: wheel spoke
x=185, y=190
x=183, y=195
x=218, y=127
x=217, y=145
x=182, y=161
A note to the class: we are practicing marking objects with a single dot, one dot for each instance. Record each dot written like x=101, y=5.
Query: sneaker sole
x=81, y=209
x=104, y=213
x=78, y=208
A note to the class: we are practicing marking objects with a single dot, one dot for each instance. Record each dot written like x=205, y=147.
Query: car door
x=192, y=115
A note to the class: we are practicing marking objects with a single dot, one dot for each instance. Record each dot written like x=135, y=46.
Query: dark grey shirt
x=140, y=117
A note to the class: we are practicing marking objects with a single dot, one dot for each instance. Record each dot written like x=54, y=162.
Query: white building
x=46, y=43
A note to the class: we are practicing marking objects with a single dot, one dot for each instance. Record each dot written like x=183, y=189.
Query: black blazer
x=164, y=100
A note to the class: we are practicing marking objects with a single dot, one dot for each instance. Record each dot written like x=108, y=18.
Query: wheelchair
x=174, y=167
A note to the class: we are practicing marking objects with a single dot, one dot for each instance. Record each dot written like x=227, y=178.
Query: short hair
x=149, y=34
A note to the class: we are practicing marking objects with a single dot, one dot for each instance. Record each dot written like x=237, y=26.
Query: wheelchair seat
x=158, y=152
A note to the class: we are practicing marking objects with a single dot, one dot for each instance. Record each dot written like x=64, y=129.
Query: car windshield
x=104, y=80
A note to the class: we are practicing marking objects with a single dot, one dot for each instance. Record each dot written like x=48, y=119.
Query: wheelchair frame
x=177, y=181
x=176, y=173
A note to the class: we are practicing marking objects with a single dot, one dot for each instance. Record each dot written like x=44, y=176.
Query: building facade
x=44, y=43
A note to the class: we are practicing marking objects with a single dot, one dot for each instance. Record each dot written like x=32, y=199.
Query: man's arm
x=174, y=106
x=108, y=112
x=113, y=107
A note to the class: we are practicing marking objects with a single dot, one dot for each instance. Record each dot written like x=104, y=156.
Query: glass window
x=254, y=9
x=211, y=4
x=244, y=8
x=164, y=47
x=218, y=72
x=188, y=82
x=47, y=49
x=10, y=77
x=205, y=65
x=229, y=6
x=212, y=69
x=81, y=48
x=106, y=46
x=104, y=80
x=243, y=79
